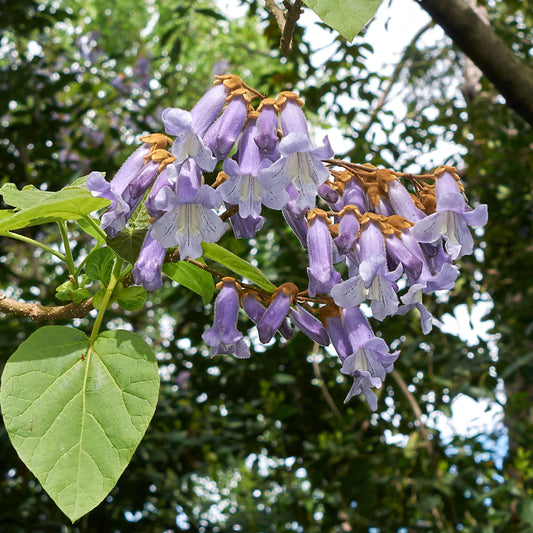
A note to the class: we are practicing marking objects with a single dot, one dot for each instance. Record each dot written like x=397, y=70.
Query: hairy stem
x=69, y=260
x=33, y=242
x=113, y=281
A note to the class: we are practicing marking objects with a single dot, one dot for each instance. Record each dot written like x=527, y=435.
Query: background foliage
x=255, y=445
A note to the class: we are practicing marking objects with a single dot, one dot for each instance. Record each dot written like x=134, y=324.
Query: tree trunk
x=478, y=40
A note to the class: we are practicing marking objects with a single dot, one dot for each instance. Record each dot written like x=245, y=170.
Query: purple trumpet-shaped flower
x=295, y=217
x=137, y=188
x=379, y=280
x=404, y=250
x=374, y=273
x=147, y=269
x=301, y=163
x=113, y=221
x=407, y=251
x=328, y=193
x=222, y=135
x=255, y=310
x=189, y=218
x=370, y=360
x=310, y=325
x=348, y=229
x=266, y=134
x=246, y=228
x=451, y=219
x=167, y=178
x=331, y=317
x=224, y=337
x=354, y=194
x=190, y=127
x=403, y=203
x=443, y=272
x=277, y=311
x=243, y=188
x=421, y=278
x=322, y=275
x=412, y=299
x=129, y=185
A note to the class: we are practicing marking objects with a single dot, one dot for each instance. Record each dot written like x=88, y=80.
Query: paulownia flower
x=301, y=163
x=189, y=218
x=370, y=359
x=224, y=337
x=189, y=127
x=147, y=269
x=451, y=219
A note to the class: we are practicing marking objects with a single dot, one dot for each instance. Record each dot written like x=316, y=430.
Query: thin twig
x=361, y=134
x=353, y=167
x=229, y=212
x=416, y=409
x=211, y=271
x=323, y=388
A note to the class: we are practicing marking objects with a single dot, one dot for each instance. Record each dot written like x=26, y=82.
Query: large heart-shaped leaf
x=346, y=16
x=76, y=416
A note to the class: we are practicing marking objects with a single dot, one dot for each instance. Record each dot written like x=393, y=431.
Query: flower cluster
x=395, y=243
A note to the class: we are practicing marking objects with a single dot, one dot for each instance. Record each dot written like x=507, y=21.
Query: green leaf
x=283, y=379
x=6, y=213
x=346, y=16
x=98, y=298
x=236, y=264
x=40, y=207
x=74, y=417
x=192, y=277
x=140, y=218
x=66, y=291
x=87, y=227
x=80, y=182
x=29, y=196
x=527, y=511
x=130, y=298
x=100, y=264
x=127, y=244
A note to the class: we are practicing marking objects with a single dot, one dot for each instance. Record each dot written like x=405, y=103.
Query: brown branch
x=416, y=409
x=512, y=77
x=277, y=13
x=229, y=213
x=39, y=312
x=353, y=167
x=286, y=22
